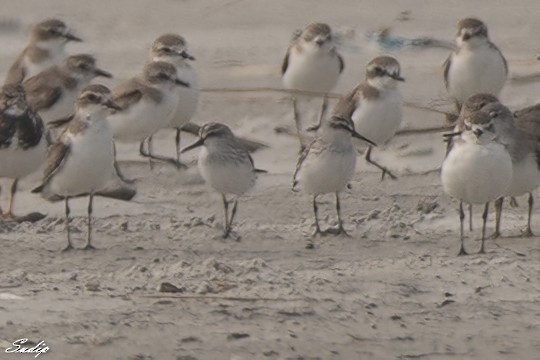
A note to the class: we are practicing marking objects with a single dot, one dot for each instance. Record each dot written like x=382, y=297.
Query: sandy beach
x=396, y=289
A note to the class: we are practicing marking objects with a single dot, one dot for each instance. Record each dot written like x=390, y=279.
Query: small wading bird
x=81, y=160
x=52, y=93
x=172, y=48
x=477, y=170
x=327, y=164
x=476, y=66
x=23, y=146
x=46, y=48
x=147, y=102
x=311, y=64
x=525, y=154
x=375, y=105
x=225, y=164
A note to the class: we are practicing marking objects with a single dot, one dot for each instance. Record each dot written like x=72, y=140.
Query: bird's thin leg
x=298, y=122
x=528, y=230
x=461, y=236
x=148, y=154
x=383, y=169
x=89, y=245
x=226, y=229
x=341, y=229
x=149, y=144
x=316, y=213
x=322, y=115
x=12, y=198
x=233, y=213
x=67, y=210
x=484, y=220
x=470, y=218
x=1, y=211
x=324, y=107
x=498, y=216
x=177, y=143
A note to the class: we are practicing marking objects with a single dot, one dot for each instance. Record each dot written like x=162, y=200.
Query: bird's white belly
x=142, y=119
x=312, y=71
x=477, y=174
x=227, y=177
x=481, y=71
x=89, y=166
x=379, y=119
x=526, y=177
x=17, y=163
x=327, y=172
x=188, y=98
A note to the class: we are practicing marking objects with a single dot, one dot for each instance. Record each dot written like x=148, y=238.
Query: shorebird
x=46, y=48
x=81, y=160
x=473, y=104
x=525, y=154
x=23, y=146
x=375, y=105
x=148, y=101
x=311, y=64
x=476, y=66
x=52, y=93
x=225, y=165
x=327, y=164
x=478, y=169
x=172, y=48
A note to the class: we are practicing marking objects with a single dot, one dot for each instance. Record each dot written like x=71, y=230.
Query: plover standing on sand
x=477, y=170
x=375, y=105
x=225, y=165
x=525, y=154
x=172, y=48
x=52, y=93
x=46, y=48
x=23, y=147
x=81, y=160
x=148, y=101
x=327, y=164
x=476, y=66
x=311, y=64
x=473, y=104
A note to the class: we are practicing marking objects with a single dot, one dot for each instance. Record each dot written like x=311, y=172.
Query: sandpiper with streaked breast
x=225, y=165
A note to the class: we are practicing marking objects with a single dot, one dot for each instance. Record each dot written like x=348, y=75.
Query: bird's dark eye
x=166, y=49
x=466, y=36
x=92, y=97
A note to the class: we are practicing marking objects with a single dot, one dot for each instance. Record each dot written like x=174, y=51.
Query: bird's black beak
x=361, y=137
x=181, y=83
x=99, y=72
x=112, y=105
x=397, y=77
x=196, y=144
x=186, y=55
x=452, y=134
x=70, y=37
